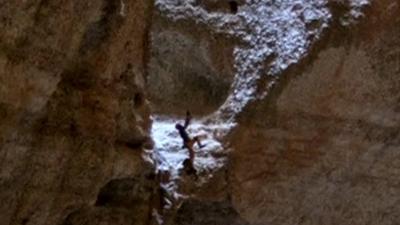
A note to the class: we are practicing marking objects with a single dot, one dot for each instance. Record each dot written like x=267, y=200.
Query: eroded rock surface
x=207, y=213
x=309, y=89
x=189, y=68
x=316, y=97
x=322, y=148
x=73, y=111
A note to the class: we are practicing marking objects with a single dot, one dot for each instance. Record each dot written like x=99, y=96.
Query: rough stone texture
x=189, y=67
x=224, y=6
x=207, y=203
x=211, y=212
x=121, y=201
x=73, y=114
x=323, y=147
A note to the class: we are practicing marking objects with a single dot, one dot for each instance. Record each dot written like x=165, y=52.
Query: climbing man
x=187, y=141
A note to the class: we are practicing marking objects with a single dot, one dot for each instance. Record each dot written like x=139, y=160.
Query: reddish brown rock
x=322, y=148
x=73, y=111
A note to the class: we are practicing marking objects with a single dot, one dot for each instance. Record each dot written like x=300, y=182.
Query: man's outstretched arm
x=187, y=120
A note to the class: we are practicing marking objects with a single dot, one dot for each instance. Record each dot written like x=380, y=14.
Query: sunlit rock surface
x=274, y=35
x=317, y=144
x=168, y=156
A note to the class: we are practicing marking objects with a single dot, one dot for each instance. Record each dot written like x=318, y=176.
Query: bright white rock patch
x=279, y=31
x=168, y=154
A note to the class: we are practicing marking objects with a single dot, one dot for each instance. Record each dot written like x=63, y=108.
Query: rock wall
x=189, y=67
x=322, y=148
x=73, y=112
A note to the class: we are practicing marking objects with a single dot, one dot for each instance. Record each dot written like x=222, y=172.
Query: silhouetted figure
x=187, y=141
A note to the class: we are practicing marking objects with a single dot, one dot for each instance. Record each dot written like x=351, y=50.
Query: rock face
x=73, y=114
x=189, y=67
x=318, y=145
x=210, y=212
x=322, y=148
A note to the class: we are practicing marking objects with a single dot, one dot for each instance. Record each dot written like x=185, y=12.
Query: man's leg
x=189, y=167
x=197, y=140
x=191, y=154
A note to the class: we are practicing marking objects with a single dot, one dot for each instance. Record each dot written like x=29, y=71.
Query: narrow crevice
x=99, y=31
x=233, y=5
x=147, y=40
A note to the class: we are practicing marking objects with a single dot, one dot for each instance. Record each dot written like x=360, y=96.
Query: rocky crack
x=168, y=156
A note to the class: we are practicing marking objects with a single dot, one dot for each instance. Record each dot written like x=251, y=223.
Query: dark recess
x=138, y=99
x=233, y=5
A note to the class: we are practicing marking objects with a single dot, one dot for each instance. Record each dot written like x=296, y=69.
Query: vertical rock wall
x=73, y=114
x=322, y=148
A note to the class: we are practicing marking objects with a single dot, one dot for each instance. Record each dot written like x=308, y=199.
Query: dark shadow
x=233, y=5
